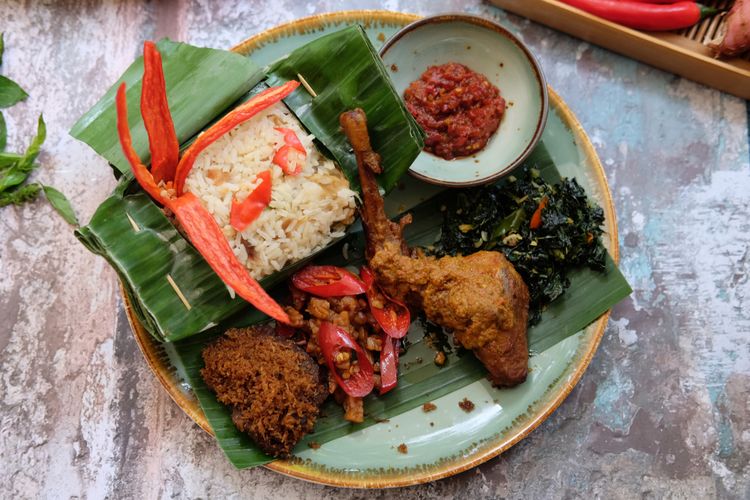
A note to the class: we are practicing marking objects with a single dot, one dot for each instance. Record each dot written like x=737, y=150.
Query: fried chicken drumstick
x=480, y=297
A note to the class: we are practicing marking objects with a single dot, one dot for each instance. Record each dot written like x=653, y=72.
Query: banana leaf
x=345, y=72
x=196, y=96
x=590, y=294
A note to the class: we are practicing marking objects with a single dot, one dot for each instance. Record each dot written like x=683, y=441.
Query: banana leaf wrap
x=590, y=294
x=345, y=72
x=144, y=259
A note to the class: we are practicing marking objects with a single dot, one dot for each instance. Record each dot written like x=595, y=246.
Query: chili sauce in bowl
x=475, y=89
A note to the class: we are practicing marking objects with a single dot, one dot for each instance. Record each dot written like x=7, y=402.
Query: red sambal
x=458, y=108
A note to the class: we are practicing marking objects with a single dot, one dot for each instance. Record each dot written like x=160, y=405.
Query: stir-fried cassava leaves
x=16, y=168
x=498, y=217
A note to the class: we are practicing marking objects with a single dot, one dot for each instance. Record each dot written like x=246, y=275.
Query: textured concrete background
x=663, y=410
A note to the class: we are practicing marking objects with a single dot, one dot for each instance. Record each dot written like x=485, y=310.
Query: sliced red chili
x=388, y=364
x=536, y=219
x=328, y=281
x=209, y=240
x=289, y=159
x=162, y=139
x=238, y=115
x=334, y=340
x=392, y=315
x=244, y=212
x=291, y=139
x=142, y=175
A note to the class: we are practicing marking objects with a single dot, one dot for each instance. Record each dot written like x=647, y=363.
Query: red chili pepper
x=328, y=281
x=291, y=139
x=238, y=115
x=165, y=149
x=388, y=364
x=209, y=240
x=394, y=317
x=289, y=159
x=536, y=219
x=646, y=16
x=333, y=340
x=245, y=212
x=142, y=175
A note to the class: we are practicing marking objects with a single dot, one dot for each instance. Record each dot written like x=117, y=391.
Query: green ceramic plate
x=448, y=440
x=490, y=49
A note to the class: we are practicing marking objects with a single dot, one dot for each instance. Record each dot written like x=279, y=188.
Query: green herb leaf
x=3, y=133
x=2, y=48
x=19, y=171
x=19, y=195
x=10, y=92
x=61, y=204
x=8, y=159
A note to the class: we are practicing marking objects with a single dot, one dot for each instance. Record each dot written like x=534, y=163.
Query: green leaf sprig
x=16, y=168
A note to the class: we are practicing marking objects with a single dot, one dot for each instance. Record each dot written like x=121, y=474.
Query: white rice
x=307, y=210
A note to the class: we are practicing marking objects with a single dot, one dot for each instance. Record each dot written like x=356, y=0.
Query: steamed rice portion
x=307, y=210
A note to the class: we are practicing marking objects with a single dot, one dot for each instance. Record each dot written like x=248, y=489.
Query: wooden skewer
x=306, y=85
x=178, y=292
x=132, y=223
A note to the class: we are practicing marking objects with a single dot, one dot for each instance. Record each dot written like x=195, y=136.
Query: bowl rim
x=452, y=17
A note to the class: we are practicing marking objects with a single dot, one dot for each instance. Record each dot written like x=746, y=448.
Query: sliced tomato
x=333, y=340
x=328, y=281
x=392, y=315
x=388, y=364
x=244, y=212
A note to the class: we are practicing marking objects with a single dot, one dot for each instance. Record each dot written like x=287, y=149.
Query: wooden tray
x=682, y=52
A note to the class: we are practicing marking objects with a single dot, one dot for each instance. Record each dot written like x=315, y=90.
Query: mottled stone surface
x=663, y=410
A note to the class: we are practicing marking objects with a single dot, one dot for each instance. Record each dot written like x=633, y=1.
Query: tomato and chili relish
x=458, y=109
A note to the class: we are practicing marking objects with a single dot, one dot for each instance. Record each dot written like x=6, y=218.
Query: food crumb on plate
x=440, y=358
x=428, y=407
x=314, y=445
x=381, y=37
x=394, y=68
x=466, y=405
x=403, y=449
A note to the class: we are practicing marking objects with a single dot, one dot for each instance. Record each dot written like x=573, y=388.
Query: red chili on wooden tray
x=334, y=340
x=646, y=16
x=328, y=281
x=458, y=109
x=392, y=316
x=244, y=212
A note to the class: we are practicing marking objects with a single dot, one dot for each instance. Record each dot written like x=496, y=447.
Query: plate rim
x=156, y=358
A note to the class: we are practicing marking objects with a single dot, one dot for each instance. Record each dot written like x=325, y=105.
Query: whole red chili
x=162, y=139
x=646, y=16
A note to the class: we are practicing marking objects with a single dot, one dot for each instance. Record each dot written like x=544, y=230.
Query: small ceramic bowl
x=489, y=49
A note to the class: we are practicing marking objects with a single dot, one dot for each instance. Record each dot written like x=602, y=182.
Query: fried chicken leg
x=480, y=297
